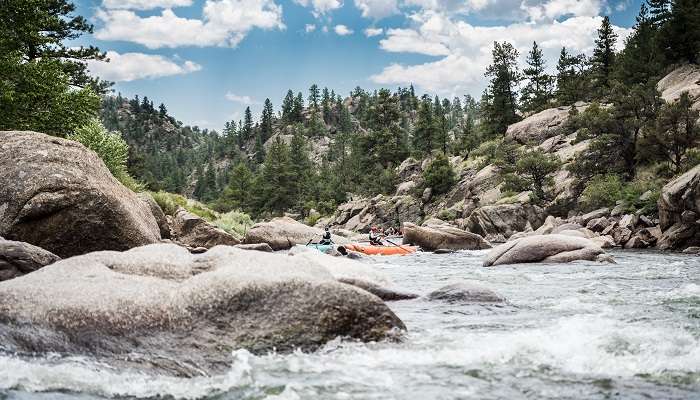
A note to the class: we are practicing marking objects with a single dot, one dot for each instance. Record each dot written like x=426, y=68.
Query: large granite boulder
x=283, y=233
x=19, y=258
x=58, y=195
x=464, y=292
x=552, y=248
x=504, y=220
x=383, y=211
x=442, y=236
x=160, y=308
x=541, y=126
x=679, y=211
x=158, y=214
x=195, y=232
x=682, y=79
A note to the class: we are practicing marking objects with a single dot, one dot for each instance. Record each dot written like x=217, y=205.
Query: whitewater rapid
x=578, y=331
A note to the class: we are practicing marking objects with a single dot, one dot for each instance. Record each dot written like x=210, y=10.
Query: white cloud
x=553, y=9
x=309, y=28
x=247, y=100
x=132, y=66
x=320, y=7
x=343, y=30
x=371, y=32
x=467, y=48
x=377, y=9
x=224, y=23
x=144, y=4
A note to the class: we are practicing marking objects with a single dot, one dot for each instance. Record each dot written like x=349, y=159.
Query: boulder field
x=160, y=308
x=58, y=195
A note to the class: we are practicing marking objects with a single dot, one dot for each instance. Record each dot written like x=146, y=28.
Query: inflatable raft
x=388, y=250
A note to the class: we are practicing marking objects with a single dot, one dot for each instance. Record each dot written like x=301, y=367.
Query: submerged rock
x=442, y=237
x=465, y=293
x=19, y=258
x=384, y=293
x=160, y=308
x=195, y=232
x=58, y=195
x=546, y=249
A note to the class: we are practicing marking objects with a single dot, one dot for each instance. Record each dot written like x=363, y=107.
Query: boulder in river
x=58, y=195
x=679, y=211
x=193, y=231
x=435, y=237
x=465, y=293
x=552, y=248
x=19, y=258
x=283, y=233
x=161, y=308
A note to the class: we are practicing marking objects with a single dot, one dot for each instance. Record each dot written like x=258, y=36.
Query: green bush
x=234, y=222
x=601, y=191
x=439, y=175
x=110, y=147
x=169, y=202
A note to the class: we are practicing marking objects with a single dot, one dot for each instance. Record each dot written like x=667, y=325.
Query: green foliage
x=532, y=170
x=537, y=92
x=500, y=103
x=603, y=60
x=609, y=191
x=601, y=191
x=439, y=175
x=572, y=82
x=110, y=147
x=169, y=202
x=234, y=222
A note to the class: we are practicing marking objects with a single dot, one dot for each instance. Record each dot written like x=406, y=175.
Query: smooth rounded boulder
x=184, y=314
x=194, y=232
x=19, y=258
x=446, y=237
x=59, y=195
x=284, y=233
x=552, y=248
x=463, y=292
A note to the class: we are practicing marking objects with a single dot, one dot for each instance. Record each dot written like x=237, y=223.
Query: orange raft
x=372, y=250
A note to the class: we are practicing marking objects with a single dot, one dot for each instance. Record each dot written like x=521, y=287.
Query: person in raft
x=374, y=237
x=326, y=240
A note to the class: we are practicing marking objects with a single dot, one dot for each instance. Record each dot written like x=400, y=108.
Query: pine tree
x=640, y=61
x=504, y=77
x=680, y=35
x=247, y=131
x=441, y=134
x=266, y=120
x=425, y=128
x=301, y=170
x=536, y=94
x=314, y=97
x=298, y=109
x=603, y=59
x=571, y=78
x=238, y=194
x=274, y=180
x=660, y=11
x=288, y=107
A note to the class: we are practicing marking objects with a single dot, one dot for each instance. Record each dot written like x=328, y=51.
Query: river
x=571, y=331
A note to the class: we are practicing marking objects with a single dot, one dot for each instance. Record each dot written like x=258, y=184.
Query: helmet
x=374, y=228
x=326, y=229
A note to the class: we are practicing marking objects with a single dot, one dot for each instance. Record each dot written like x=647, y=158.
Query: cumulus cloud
x=371, y=32
x=466, y=49
x=223, y=23
x=320, y=7
x=309, y=28
x=246, y=100
x=132, y=66
x=553, y=9
x=144, y=4
x=377, y=9
x=343, y=30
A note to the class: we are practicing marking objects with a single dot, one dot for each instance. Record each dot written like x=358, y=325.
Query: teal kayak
x=323, y=248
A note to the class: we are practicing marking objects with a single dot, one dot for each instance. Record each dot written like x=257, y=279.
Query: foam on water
x=579, y=331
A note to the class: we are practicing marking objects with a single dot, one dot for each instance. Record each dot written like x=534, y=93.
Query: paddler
x=326, y=240
x=374, y=237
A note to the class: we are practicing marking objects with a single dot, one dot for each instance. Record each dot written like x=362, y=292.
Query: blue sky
x=209, y=59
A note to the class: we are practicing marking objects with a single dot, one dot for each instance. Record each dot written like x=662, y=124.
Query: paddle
x=399, y=246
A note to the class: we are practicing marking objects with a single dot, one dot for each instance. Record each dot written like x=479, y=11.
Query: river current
x=571, y=331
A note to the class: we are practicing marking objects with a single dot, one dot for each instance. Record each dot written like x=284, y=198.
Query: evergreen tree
x=660, y=11
x=238, y=195
x=266, y=120
x=314, y=97
x=640, y=60
x=603, y=59
x=274, y=181
x=288, y=107
x=571, y=78
x=301, y=171
x=680, y=35
x=504, y=77
x=439, y=175
x=441, y=139
x=425, y=128
x=536, y=94
x=298, y=109
x=247, y=131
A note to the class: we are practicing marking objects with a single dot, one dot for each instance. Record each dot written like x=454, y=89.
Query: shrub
x=601, y=191
x=110, y=147
x=234, y=222
x=169, y=202
x=439, y=175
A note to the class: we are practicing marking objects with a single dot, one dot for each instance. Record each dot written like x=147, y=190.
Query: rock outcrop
x=283, y=233
x=361, y=214
x=679, y=211
x=541, y=126
x=160, y=308
x=546, y=249
x=58, y=195
x=683, y=79
x=19, y=258
x=442, y=236
x=504, y=220
x=194, y=232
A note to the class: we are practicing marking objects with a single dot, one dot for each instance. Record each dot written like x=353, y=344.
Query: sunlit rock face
x=181, y=313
